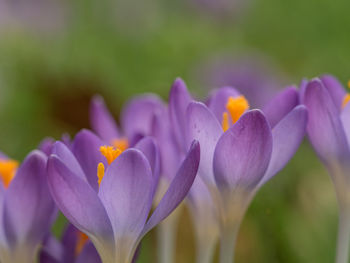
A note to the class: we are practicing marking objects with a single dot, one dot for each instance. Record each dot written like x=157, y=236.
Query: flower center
x=81, y=241
x=8, y=170
x=111, y=153
x=235, y=107
x=346, y=98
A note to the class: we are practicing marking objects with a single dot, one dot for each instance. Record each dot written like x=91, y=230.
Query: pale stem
x=227, y=245
x=205, y=250
x=341, y=183
x=342, y=255
x=166, y=238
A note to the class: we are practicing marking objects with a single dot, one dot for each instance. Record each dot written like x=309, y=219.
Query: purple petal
x=287, y=136
x=243, y=152
x=2, y=193
x=86, y=148
x=302, y=88
x=204, y=127
x=61, y=150
x=126, y=192
x=28, y=209
x=135, y=139
x=46, y=145
x=218, y=100
x=78, y=202
x=88, y=255
x=149, y=148
x=179, y=98
x=69, y=242
x=178, y=188
x=52, y=251
x=281, y=105
x=335, y=89
x=345, y=118
x=102, y=121
x=170, y=154
x=324, y=127
x=137, y=115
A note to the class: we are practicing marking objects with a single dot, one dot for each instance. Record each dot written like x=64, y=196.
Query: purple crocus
x=207, y=123
x=200, y=202
x=74, y=247
x=329, y=133
x=241, y=150
x=145, y=115
x=26, y=208
x=112, y=206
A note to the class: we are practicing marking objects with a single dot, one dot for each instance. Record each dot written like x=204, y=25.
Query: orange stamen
x=81, y=241
x=122, y=144
x=345, y=100
x=8, y=170
x=110, y=152
x=236, y=107
x=225, y=121
x=100, y=172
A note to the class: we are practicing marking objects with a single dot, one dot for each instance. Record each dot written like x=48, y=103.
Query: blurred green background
x=55, y=56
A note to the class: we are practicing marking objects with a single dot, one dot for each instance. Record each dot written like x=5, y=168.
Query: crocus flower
x=112, y=206
x=145, y=115
x=329, y=133
x=241, y=150
x=26, y=208
x=74, y=247
x=200, y=202
x=227, y=105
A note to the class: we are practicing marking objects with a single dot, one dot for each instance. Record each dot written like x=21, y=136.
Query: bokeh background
x=56, y=54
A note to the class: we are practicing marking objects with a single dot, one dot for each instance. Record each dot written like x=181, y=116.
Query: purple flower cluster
x=116, y=183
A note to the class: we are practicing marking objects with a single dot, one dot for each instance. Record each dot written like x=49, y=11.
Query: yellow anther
x=81, y=241
x=225, y=121
x=122, y=144
x=349, y=84
x=110, y=152
x=100, y=172
x=236, y=107
x=8, y=170
x=345, y=100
